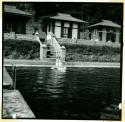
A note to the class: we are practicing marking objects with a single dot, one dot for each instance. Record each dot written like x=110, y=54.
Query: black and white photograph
x=62, y=60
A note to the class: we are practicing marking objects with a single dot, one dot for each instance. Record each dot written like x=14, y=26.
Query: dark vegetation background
x=21, y=49
x=90, y=12
x=16, y=49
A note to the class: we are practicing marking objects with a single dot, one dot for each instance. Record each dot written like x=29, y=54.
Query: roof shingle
x=67, y=17
x=14, y=10
x=106, y=23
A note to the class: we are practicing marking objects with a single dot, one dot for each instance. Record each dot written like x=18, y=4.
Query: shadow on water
x=78, y=93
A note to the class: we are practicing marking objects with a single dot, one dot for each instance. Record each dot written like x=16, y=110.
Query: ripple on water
x=78, y=93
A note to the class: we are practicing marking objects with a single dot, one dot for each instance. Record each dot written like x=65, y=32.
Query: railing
x=38, y=39
x=55, y=45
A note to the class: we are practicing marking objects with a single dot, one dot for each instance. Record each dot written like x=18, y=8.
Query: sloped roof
x=67, y=17
x=14, y=10
x=106, y=23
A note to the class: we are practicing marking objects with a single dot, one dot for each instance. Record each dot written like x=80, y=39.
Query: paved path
x=13, y=102
x=8, y=62
x=7, y=81
x=15, y=106
x=37, y=63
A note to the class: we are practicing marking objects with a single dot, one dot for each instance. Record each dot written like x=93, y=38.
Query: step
x=51, y=54
x=51, y=59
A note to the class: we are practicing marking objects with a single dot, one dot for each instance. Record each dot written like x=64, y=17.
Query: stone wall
x=14, y=36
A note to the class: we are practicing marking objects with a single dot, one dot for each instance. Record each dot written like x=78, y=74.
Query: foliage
x=92, y=53
x=15, y=49
x=86, y=11
x=19, y=49
x=92, y=58
x=88, y=49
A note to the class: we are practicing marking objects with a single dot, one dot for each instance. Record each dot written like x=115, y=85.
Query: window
x=65, y=32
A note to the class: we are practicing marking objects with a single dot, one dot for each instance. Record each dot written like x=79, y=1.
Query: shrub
x=97, y=50
x=92, y=53
x=18, y=49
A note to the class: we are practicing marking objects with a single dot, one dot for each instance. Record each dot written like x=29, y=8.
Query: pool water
x=78, y=93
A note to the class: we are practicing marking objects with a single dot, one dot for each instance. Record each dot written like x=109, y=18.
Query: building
x=106, y=31
x=64, y=26
x=17, y=21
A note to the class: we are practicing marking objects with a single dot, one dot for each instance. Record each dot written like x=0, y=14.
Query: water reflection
x=78, y=93
x=53, y=83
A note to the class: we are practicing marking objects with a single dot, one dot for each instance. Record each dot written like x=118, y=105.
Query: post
x=43, y=52
x=49, y=38
x=63, y=55
x=14, y=76
x=104, y=34
x=12, y=35
x=92, y=33
x=98, y=36
x=117, y=37
x=15, y=79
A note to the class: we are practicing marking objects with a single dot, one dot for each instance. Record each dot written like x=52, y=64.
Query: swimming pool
x=78, y=93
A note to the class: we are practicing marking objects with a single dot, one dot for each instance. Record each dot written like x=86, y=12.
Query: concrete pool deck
x=14, y=106
x=38, y=63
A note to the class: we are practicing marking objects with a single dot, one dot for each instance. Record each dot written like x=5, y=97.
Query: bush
x=85, y=49
x=18, y=49
x=92, y=53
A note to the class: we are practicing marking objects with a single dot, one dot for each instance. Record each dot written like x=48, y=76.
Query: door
x=74, y=33
x=58, y=32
